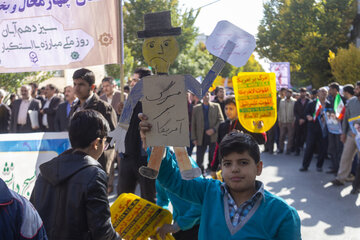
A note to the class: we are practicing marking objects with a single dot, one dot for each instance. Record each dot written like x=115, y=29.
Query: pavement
x=326, y=211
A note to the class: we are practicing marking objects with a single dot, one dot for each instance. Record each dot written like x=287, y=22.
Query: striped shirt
x=238, y=213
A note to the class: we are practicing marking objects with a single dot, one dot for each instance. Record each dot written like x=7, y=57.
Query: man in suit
x=84, y=84
x=63, y=113
x=5, y=114
x=48, y=110
x=205, y=120
x=20, y=118
x=111, y=95
x=300, y=120
x=134, y=156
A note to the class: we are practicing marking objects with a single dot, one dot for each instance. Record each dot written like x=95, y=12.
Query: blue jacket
x=185, y=214
x=272, y=218
x=18, y=217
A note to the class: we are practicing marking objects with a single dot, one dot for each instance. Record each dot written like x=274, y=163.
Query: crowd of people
x=89, y=113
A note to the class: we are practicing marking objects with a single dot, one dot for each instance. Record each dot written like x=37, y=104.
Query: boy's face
x=82, y=88
x=239, y=171
x=230, y=111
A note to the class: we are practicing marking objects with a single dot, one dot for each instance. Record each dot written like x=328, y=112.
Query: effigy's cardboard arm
x=192, y=85
x=135, y=95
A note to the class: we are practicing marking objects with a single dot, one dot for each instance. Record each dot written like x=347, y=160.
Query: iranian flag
x=339, y=107
x=318, y=108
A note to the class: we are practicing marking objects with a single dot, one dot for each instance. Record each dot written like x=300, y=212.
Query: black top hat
x=158, y=24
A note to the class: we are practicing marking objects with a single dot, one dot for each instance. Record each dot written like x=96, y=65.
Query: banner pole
x=121, y=50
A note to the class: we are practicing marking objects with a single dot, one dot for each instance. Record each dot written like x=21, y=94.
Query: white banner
x=22, y=154
x=57, y=34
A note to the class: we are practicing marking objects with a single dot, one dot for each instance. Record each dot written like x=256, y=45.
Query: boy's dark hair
x=358, y=83
x=85, y=127
x=85, y=74
x=314, y=91
x=239, y=143
x=126, y=87
x=334, y=85
x=109, y=80
x=349, y=88
x=143, y=72
x=230, y=100
x=282, y=89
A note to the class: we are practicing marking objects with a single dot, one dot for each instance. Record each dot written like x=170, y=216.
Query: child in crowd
x=70, y=193
x=231, y=124
x=239, y=208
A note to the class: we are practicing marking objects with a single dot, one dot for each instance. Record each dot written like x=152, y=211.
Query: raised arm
x=170, y=178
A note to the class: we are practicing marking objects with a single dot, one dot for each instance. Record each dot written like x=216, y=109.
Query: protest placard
x=255, y=95
x=165, y=104
x=355, y=128
x=282, y=72
x=53, y=35
x=136, y=218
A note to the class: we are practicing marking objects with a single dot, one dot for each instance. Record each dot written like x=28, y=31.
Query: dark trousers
x=335, y=150
x=129, y=176
x=200, y=152
x=270, y=135
x=356, y=182
x=300, y=136
x=314, y=138
x=190, y=234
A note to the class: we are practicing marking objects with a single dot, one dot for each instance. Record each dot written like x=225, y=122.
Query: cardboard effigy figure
x=163, y=96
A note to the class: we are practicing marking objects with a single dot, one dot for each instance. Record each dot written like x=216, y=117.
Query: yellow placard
x=136, y=218
x=255, y=95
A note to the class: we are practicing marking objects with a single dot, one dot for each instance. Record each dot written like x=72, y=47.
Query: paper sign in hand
x=230, y=44
x=164, y=103
x=225, y=32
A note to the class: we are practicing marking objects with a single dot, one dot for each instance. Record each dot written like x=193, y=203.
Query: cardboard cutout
x=163, y=96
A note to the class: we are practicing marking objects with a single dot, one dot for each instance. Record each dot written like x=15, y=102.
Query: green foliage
x=195, y=61
x=252, y=65
x=186, y=61
x=12, y=81
x=346, y=65
x=113, y=70
x=301, y=32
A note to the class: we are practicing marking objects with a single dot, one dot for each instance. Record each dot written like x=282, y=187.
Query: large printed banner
x=57, y=34
x=22, y=154
x=255, y=95
x=282, y=72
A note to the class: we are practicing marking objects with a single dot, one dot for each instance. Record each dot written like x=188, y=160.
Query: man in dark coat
x=300, y=121
x=63, y=112
x=48, y=110
x=84, y=84
x=70, y=193
x=5, y=114
x=134, y=155
x=317, y=133
x=20, y=118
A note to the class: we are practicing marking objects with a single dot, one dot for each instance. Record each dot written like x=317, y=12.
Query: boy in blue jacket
x=239, y=208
